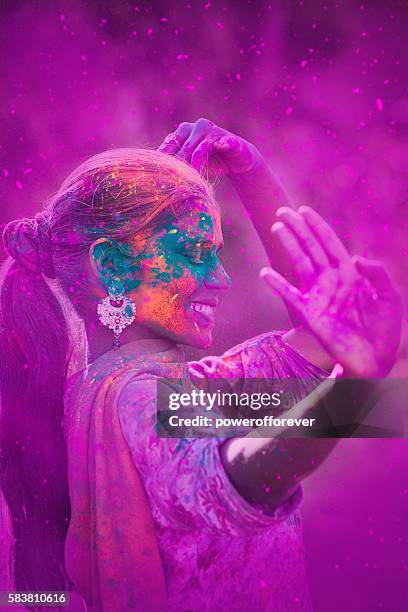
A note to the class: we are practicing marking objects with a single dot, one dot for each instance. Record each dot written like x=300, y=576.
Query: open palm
x=348, y=303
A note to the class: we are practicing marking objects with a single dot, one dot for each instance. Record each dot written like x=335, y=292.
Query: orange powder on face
x=169, y=274
x=167, y=304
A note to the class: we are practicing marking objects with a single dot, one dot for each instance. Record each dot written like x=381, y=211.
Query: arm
x=267, y=464
x=214, y=151
x=347, y=305
x=352, y=308
x=268, y=473
x=331, y=294
x=185, y=481
x=262, y=195
x=306, y=344
x=265, y=469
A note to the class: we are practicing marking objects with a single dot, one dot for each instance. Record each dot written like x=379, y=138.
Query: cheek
x=162, y=299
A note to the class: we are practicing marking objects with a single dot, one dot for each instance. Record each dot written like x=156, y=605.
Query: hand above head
x=348, y=303
x=211, y=149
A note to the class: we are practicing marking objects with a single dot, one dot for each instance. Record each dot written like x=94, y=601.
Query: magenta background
x=320, y=87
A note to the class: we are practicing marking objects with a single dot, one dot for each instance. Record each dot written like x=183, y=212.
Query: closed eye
x=200, y=252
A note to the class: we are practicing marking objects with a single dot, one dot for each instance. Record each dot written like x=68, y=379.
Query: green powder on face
x=181, y=251
x=179, y=246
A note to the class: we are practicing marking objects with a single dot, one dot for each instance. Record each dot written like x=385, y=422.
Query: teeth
x=206, y=309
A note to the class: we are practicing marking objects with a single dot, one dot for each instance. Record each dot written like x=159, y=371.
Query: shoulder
x=137, y=398
x=136, y=410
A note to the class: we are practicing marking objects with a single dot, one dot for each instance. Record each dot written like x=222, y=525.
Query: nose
x=217, y=278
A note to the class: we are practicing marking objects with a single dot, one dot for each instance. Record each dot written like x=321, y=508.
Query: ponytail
x=33, y=461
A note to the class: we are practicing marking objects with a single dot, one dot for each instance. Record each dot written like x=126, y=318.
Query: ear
x=109, y=260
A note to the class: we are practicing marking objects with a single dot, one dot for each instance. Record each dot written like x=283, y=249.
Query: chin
x=202, y=341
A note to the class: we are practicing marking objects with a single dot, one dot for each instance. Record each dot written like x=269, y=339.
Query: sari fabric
x=156, y=524
x=111, y=551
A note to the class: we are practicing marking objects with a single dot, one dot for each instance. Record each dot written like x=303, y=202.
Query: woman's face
x=182, y=277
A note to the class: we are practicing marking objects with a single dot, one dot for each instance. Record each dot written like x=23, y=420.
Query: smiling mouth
x=207, y=310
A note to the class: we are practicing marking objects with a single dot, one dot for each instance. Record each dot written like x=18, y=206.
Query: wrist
x=254, y=171
x=304, y=342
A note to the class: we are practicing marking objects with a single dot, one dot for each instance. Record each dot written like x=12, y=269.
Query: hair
x=116, y=194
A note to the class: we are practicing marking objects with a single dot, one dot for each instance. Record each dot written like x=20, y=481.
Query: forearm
x=266, y=469
x=262, y=194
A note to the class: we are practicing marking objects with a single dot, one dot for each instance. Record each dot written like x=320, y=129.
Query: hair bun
x=28, y=242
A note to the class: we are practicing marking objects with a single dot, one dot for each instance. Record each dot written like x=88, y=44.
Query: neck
x=100, y=339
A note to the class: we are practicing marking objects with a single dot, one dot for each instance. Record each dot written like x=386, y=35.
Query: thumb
x=377, y=274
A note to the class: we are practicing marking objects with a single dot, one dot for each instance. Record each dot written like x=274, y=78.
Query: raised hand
x=348, y=303
x=211, y=149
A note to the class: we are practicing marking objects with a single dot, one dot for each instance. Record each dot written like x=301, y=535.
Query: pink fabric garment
x=217, y=551
x=111, y=551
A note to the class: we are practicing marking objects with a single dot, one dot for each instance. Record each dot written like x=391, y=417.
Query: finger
x=298, y=259
x=170, y=144
x=305, y=236
x=288, y=292
x=203, y=151
x=377, y=274
x=221, y=146
x=183, y=131
x=174, y=141
x=227, y=143
x=201, y=129
x=328, y=238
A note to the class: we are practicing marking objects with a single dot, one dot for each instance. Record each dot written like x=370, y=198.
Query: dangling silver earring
x=116, y=311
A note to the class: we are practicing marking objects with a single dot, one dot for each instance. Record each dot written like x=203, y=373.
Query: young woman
x=130, y=248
